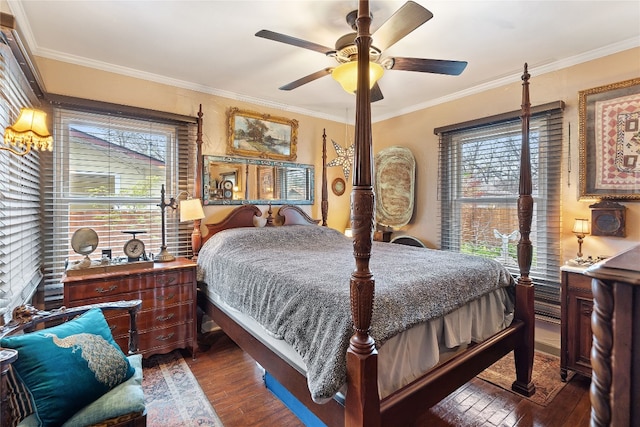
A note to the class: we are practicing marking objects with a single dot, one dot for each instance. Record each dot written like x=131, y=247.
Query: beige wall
x=72, y=80
x=414, y=131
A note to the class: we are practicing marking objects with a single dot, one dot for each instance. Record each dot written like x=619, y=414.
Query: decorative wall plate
x=338, y=186
x=395, y=169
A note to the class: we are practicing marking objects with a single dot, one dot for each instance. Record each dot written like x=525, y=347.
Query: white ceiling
x=209, y=45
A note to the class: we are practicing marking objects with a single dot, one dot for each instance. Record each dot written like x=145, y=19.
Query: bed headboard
x=242, y=216
x=293, y=215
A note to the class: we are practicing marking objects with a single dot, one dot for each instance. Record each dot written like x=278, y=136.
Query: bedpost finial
x=526, y=75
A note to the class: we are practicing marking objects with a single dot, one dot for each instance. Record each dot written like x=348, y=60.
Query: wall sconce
x=347, y=75
x=580, y=229
x=29, y=131
x=191, y=210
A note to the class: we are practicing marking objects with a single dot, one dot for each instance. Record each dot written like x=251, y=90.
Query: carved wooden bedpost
x=325, y=195
x=196, y=236
x=362, y=402
x=524, y=288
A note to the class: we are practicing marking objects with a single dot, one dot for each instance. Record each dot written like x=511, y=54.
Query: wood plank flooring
x=233, y=383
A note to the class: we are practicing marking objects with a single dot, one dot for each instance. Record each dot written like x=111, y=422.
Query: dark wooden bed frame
x=363, y=407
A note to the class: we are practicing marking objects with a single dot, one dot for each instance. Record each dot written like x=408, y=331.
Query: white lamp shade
x=581, y=226
x=190, y=210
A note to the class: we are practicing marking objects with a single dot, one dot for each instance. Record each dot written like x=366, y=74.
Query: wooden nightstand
x=576, y=305
x=168, y=292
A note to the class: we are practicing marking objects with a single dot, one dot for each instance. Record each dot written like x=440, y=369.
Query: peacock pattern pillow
x=69, y=366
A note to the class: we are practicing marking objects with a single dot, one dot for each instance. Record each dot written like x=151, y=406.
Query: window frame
x=179, y=181
x=545, y=275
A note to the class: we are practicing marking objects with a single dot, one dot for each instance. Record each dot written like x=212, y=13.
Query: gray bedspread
x=294, y=280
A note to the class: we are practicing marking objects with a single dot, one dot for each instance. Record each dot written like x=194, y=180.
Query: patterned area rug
x=173, y=396
x=546, y=376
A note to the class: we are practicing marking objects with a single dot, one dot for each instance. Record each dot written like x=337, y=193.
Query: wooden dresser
x=576, y=305
x=168, y=292
x=615, y=357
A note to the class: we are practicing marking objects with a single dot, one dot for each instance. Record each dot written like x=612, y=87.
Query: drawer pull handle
x=166, y=280
x=165, y=318
x=165, y=298
x=165, y=337
x=110, y=289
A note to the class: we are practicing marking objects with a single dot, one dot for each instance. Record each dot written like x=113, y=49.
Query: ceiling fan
x=406, y=19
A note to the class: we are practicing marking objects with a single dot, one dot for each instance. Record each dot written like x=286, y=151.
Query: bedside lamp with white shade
x=191, y=210
x=580, y=229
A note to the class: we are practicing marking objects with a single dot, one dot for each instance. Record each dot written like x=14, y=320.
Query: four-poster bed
x=363, y=405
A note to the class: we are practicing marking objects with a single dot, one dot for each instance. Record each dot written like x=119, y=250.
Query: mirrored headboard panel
x=238, y=181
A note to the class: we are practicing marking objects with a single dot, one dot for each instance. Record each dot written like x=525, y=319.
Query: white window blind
x=107, y=173
x=20, y=228
x=479, y=176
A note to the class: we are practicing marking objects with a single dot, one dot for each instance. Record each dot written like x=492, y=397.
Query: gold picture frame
x=252, y=134
x=610, y=141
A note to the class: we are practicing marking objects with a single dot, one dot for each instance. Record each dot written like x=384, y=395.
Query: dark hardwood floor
x=233, y=384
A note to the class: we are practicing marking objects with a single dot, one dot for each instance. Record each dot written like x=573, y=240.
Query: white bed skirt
x=410, y=354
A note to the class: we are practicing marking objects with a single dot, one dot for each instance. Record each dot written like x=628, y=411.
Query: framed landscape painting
x=610, y=141
x=253, y=134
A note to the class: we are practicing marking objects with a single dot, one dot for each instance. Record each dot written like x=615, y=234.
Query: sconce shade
x=29, y=131
x=190, y=210
x=581, y=226
x=347, y=75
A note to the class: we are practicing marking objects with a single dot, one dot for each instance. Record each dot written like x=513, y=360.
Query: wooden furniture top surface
x=157, y=266
x=622, y=267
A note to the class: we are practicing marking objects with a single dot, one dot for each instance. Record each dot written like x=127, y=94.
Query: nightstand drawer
x=99, y=288
x=167, y=319
x=164, y=336
x=579, y=282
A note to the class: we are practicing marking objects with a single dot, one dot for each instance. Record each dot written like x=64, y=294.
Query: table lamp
x=580, y=229
x=191, y=210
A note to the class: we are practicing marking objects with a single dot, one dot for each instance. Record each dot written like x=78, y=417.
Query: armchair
x=122, y=405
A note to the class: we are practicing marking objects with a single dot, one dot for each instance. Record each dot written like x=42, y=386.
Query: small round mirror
x=84, y=241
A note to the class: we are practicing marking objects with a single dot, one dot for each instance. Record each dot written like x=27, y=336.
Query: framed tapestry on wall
x=610, y=141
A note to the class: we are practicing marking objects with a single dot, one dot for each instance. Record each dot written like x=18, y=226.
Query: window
x=20, y=232
x=107, y=173
x=479, y=180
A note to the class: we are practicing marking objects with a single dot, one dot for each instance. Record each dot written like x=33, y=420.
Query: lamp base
x=164, y=256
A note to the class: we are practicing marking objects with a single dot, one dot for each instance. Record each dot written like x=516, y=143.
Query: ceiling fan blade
x=282, y=38
x=376, y=93
x=406, y=19
x=306, y=79
x=438, y=66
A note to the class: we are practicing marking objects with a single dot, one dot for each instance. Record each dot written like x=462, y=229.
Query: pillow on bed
x=69, y=366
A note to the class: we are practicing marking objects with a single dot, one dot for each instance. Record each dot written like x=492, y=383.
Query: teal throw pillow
x=126, y=398
x=69, y=366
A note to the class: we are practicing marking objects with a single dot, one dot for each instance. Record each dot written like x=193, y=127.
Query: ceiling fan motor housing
x=347, y=51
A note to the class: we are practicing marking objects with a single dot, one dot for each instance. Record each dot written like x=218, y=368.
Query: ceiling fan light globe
x=347, y=75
